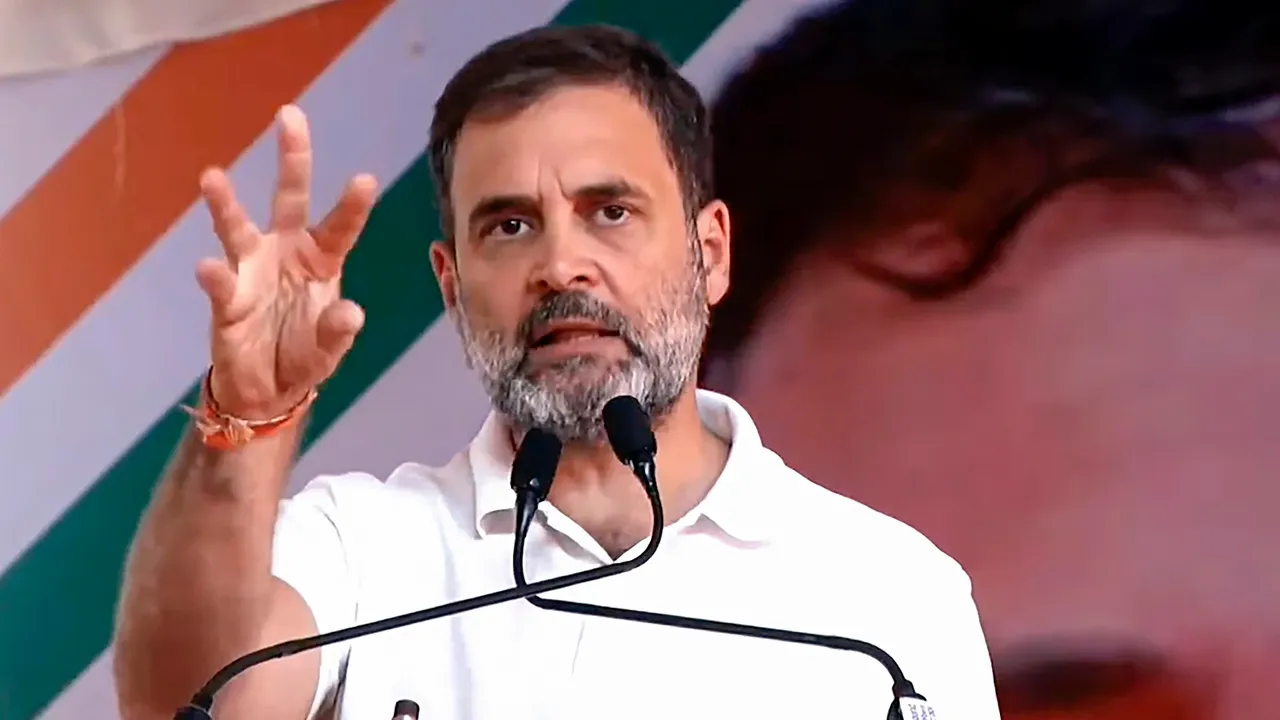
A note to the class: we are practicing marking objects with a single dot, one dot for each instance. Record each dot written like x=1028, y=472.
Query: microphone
x=630, y=435
x=405, y=710
x=532, y=471
x=536, y=458
x=632, y=440
x=626, y=424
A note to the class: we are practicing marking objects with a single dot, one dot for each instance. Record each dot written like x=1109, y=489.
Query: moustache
x=578, y=305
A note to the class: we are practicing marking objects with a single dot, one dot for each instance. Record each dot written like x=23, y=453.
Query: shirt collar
x=737, y=503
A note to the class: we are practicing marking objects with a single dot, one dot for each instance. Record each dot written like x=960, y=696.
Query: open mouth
x=564, y=333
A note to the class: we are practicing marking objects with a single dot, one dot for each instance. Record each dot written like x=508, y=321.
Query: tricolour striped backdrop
x=103, y=331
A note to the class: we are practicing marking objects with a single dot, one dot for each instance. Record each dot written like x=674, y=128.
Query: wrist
x=223, y=430
x=255, y=407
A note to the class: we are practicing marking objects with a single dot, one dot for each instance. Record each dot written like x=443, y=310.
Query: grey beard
x=568, y=398
x=573, y=410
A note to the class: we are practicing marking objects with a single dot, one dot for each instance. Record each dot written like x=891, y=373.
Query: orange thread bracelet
x=227, y=432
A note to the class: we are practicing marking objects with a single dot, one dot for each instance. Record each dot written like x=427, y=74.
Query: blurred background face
x=1090, y=431
x=578, y=276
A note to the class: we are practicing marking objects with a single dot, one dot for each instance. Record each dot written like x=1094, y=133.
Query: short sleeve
x=956, y=677
x=314, y=552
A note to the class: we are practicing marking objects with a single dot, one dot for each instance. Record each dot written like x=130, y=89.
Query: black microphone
x=627, y=426
x=536, y=458
x=405, y=710
x=630, y=435
x=532, y=471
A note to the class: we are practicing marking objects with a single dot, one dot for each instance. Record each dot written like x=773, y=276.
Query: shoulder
x=358, y=526
x=354, y=500
x=851, y=532
x=827, y=527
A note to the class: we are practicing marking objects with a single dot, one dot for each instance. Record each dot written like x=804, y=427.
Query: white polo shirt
x=765, y=547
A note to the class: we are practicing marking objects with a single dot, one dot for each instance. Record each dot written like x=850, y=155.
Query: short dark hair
x=865, y=98
x=515, y=72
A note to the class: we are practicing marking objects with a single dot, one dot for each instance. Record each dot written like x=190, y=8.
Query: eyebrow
x=499, y=205
x=603, y=191
x=1058, y=679
x=612, y=189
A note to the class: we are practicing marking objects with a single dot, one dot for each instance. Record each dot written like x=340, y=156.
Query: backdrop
x=105, y=331
x=1103, y=577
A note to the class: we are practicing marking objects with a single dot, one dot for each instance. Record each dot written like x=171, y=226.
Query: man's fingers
x=336, y=331
x=218, y=281
x=337, y=327
x=292, y=203
x=237, y=233
x=338, y=231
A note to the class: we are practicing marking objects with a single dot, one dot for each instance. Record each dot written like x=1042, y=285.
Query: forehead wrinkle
x=602, y=142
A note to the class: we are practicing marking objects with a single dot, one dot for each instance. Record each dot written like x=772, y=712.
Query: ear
x=444, y=264
x=713, y=237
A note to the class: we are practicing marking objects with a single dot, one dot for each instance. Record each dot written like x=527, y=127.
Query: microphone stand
x=201, y=705
x=904, y=693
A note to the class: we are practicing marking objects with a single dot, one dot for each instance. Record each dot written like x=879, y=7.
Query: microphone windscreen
x=405, y=710
x=629, y=431
x=536, y=460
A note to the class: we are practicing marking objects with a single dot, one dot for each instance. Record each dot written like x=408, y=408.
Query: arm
x=199, y=590
x=201, y=584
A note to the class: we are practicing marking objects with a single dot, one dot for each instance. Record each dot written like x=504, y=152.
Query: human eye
x=507, y=228
x=612, y=215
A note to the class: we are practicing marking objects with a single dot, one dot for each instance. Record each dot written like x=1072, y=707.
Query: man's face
x=576, y=275
x=1090, y=431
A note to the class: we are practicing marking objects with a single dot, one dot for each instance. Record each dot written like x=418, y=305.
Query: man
x=1030, y=273
x=583, y=248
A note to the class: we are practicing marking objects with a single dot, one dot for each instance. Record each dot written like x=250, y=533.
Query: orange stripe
x=134, y=173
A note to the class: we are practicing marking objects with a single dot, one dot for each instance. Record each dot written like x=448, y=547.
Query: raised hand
x=280, y=325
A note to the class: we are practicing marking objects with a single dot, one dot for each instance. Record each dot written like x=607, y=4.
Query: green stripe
x=57, y=600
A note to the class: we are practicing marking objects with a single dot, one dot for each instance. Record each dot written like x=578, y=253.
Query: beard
x=567, y=397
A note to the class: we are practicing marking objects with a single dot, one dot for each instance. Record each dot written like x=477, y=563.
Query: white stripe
x=92, y=695
x=42, y=116
x=428, y=405
x=424, y=409
x=47, y=36
x=139, y=348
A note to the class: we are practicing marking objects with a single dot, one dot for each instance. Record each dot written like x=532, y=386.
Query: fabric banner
x=100, y=231
x=50, y=35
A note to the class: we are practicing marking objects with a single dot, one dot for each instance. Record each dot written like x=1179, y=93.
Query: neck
x=605, y=498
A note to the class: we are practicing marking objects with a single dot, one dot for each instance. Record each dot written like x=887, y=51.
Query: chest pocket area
x=702, y=675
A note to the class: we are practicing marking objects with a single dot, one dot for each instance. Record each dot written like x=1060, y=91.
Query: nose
x=566, y=262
